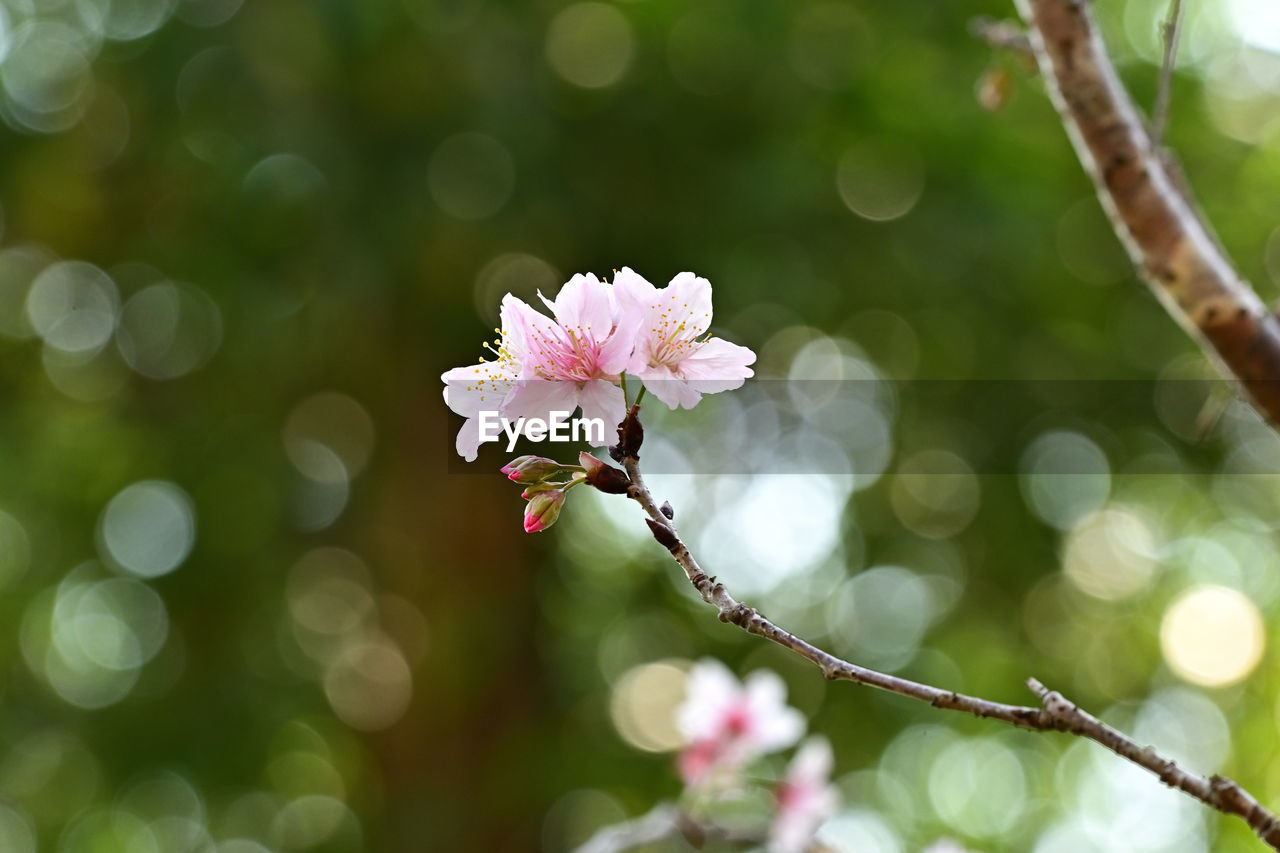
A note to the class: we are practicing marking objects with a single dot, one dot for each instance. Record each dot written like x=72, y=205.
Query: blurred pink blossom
x=805, y=798
x=728, y=723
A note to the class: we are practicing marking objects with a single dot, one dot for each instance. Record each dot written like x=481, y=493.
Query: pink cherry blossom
x=673, y=355
x=805, y=798
x=577, y=359
x=487, y=385
x=728, y=723
x=540, y=365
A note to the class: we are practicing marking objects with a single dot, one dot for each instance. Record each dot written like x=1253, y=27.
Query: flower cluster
x=577, y=358
x=728, y=724
x=547, y=486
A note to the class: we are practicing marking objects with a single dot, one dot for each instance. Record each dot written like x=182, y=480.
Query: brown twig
x=1167, y=238
x=1008, y=35
x=1170, y=30
x=1055, y=712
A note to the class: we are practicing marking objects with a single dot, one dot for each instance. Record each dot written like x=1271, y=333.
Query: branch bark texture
x=1055, y=712
x=1166, y=236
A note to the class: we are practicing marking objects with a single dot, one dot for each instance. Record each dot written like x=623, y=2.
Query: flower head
x=673, y=354
x=728, y=723
x=805, y=798
x=577, y=359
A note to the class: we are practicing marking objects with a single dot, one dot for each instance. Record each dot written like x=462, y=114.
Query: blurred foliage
x=254, y=599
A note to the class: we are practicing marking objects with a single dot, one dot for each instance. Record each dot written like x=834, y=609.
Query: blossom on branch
x=674, y=356
x=577, y=359
x=729, y=723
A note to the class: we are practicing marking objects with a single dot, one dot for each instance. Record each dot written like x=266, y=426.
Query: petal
x=811, y=766
x=468, y=441
x=604, y=400
x=661, y=383
x=537, y=333
x=538, y=398
x=632, y=288
x=688, y=299
x=584, y=306
x=616, y=352
x=717, y=365
x=778, y=726
x=709, y=688
x=513, y=331
x=477, y=386
x=637, y=303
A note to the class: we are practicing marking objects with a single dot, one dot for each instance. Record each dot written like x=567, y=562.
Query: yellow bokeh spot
x=644, y=706
x=1110, y=554
x=1212, y=636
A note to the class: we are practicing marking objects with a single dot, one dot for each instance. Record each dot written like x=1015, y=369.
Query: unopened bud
x=604, y=477
x=530, y=469
x=537, y=489
x=543, y=510
x=665, y=535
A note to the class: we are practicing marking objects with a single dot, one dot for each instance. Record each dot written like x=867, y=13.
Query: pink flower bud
x=530, y=469
x=537, y=489
x=543, y=510
x=589, y=462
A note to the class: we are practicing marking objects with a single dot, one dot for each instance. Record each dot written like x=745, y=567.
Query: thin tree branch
x=662, y=822
x=1008, y=35
x=1170, y=31
x=1167, y=238
x=1055, y=713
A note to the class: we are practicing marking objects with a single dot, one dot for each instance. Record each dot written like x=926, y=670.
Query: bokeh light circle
x=880, y=181
x=1064, y=477
x=168, y=330
x=72, y=305
x=369, y=685
x=148, y=528
x=1212, y=636
x=643, y=706
x=1110, y=554
x=16, y=834
x=590, y=44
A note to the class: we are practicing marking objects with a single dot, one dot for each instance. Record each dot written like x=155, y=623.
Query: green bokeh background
x=355, y=184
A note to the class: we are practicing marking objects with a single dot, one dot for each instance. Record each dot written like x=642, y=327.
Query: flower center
x=569, y=354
